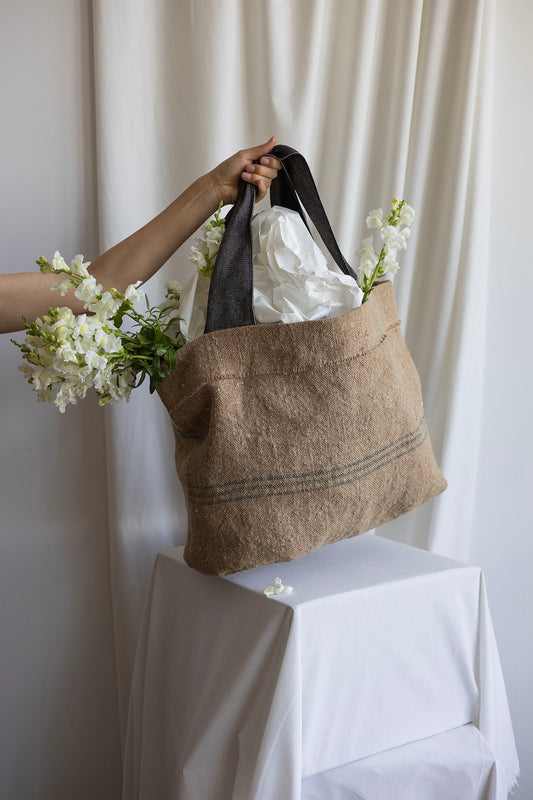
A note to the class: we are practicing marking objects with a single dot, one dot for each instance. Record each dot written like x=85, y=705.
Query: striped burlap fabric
x=293, y=436
x=289, y=437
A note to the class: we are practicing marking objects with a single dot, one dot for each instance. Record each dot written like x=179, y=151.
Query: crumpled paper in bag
x=293, y=281
x=292, y=278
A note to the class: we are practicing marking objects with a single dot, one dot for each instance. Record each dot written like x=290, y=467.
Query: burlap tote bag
x=293, y=436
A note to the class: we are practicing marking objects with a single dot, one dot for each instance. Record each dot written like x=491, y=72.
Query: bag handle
x=295, y=180
x=230, y=302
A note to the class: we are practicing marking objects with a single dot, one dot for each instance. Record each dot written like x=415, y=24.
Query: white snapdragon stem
x=394, y=232
x=204, y=250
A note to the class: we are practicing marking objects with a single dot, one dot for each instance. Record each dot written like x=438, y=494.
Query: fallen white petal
x=278, y=588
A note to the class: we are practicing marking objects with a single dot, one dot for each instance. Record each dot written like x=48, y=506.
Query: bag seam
x=293, y=370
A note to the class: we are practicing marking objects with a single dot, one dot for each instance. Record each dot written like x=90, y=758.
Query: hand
x=225, y=178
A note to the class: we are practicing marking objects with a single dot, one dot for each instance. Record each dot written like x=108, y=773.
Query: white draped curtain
x=384, y=98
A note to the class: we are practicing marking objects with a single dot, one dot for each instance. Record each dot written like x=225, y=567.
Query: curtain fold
x=384, y=98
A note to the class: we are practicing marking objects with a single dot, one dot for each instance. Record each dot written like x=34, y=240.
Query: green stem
x=139, y=358
x=368, y=286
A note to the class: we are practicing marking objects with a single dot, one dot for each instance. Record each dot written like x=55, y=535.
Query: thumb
x=253, y=153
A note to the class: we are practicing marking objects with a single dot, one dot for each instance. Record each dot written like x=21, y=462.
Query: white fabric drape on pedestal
x=384, y=98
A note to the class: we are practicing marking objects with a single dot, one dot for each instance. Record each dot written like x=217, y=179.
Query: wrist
x=211, y=191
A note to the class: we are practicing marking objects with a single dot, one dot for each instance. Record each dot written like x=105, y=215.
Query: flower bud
x=44, y=265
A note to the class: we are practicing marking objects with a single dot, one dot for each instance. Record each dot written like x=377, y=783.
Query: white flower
x=204, y=250
x=390, y=254
x=66, y=316
x=59, y=263
x=390, y=263
x=64, y=325
x=27, y=369
x=278, y=588
x=367, y=249
x=89, y=333
x=375, y=218
x=81, y=327
x=393, y=237
x=102, y=378
x=46, y=395
x=78, y=267
x=173, y=294
x=198, y=258
x=368, y=258
x=213, y=237
x=41, y=377
x=173, y=288
x=366, y=267
x=95, y=360
x=67, y=353
x=106, y=307
x=85, y=329
x=120, y=387
x=407, y=215
x=88, y=291
x=132, y=294
x=62, y=286
x=66, y=394
x=108, y=342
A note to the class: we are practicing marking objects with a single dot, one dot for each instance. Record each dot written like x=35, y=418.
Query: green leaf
x=119, y=316
x=141, y=379
x=171, y=358
x=154, y=380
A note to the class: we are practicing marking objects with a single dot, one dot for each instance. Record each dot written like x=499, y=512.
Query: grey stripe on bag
x=295, y=483
x=400, y=442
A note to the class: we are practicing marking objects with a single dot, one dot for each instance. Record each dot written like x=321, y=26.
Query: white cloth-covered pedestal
x=237, y=696
x=455, y=765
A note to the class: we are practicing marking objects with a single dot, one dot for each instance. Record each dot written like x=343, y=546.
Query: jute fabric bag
x=293, y=436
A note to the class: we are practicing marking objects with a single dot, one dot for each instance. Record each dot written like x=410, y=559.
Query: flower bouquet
x=66, y=354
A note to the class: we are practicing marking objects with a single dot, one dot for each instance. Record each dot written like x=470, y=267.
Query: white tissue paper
x=193, y=306
x=292, y=278
x=293, y=281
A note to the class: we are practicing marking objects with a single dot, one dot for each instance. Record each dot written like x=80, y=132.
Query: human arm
x=140, y=255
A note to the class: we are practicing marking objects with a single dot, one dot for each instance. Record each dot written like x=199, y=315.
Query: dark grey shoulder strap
x=295, y=183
